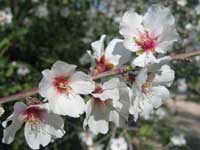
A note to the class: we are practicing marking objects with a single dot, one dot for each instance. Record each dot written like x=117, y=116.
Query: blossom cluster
x=137, y=91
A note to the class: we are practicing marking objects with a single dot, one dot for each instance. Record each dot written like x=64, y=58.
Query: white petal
x=156, y=18
x=130, y=44
x=165, y=77
x=61, y=68
x=135, y=102
x=10, y=131
x=98, y=47
x=146, y=107
x=110, y=90
x=142, y=77
x=98, y=126
x=55, y=125
x=156, y=100
x=161, y=91
x=116, y=53
x=81, y=83
x=36, y=135
x=96, y=118
x=111, y=84
x=144, y=59
x=166, y=39
x=46, y=86
x=130, y=24
x=72, y=105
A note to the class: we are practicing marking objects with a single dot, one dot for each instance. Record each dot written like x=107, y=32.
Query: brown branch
x=25, y=94
x=21, y=95
x=186, y=55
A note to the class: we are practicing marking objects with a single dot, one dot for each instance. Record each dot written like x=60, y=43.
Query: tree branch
x=25, y=94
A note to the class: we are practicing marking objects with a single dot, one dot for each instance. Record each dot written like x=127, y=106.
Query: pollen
x=146, y=86
x=62, y=84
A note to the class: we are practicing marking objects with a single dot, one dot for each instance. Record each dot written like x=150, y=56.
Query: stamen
x=33, y=115
x=61, y=83
x=103, y=65
x=145, y=42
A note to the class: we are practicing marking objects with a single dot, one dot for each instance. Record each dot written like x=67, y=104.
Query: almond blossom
x=178, y=140
x=41, y=126
x=109, y=103
x=87, y=138
x=149, y=91
x=118, y=144
x=62, y=86
x=148, y=35
x=104, y=59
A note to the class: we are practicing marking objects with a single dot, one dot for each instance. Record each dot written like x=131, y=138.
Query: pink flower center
x=146, y=42
x=62, y=84
x=103, y=65
x=33, y=115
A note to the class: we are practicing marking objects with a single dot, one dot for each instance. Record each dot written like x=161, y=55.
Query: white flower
x=182, y=2
x=149, y=91
x=41, y=126
x=87, y=138
x=178, y=140
x=42, y=11
x=118, y=144
x=113, y=55
x=109, y=102
x=146, y=35
x=61, y=86
x=22, y=70
x=182, y=85
x=6, y=16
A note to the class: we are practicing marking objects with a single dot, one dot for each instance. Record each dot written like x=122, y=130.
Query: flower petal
x=166, y=77
x=72, y=105
x=81, y=83
x=10, y=131
x=55, y=125
x=144, y=59
x=36, y=135
x=45, y=86
x=116, y=53
x=96, y=118
x=110, y=90
x=156, y=18
x=61, y=68
x=98, y=47
x=130, y=24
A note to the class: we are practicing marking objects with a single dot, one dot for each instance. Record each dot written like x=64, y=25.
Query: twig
x=25, y=94
x=21, y=95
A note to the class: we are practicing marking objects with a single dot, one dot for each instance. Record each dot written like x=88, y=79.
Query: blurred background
x=36, y=33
